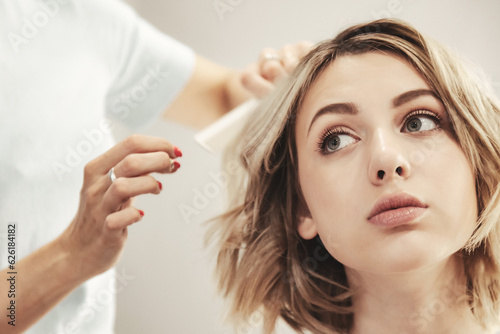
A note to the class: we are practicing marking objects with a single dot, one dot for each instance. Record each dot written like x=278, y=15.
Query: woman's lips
x=396, y=210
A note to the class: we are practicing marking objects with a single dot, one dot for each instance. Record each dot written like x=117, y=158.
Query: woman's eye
x=420, y=123
x=336, y=142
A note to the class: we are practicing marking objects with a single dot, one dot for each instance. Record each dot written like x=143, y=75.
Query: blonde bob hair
x=264, y=265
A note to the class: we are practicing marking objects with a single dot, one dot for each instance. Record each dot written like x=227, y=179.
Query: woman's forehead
x=353, y=77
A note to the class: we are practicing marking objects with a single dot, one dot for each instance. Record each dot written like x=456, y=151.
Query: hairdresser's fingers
x=269, y=54
x=254, y=82
x=132, y=166
x=133, y=144
x=273, y=71
x=270, y=65
x=123, y=189
x=291, y=54
x=116, y=222
x=138, y=164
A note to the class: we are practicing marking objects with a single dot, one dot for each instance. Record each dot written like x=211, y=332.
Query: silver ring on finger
x=112, y=175
x=270, y=56
x=172, y=166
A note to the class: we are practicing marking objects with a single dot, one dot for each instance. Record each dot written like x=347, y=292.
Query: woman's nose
x=387, y=159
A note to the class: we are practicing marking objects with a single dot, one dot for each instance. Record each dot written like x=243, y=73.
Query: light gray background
x=172, y=290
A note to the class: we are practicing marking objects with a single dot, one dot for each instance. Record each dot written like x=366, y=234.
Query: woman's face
x=386, y=186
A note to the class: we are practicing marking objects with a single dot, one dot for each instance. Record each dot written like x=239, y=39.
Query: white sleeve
x=148, y=68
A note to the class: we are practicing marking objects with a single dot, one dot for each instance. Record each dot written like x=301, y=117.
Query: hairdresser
x=68, y=71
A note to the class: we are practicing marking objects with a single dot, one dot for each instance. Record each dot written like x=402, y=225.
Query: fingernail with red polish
x=160, y=185
x=177, y=164
x=177, y=152
x=141, y=213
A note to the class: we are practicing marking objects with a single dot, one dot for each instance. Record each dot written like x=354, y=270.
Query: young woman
x=370, y=196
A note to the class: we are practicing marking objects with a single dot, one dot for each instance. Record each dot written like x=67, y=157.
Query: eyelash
x=321, y=144
x=424, y=112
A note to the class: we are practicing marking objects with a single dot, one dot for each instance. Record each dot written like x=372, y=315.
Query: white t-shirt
x=65, y=65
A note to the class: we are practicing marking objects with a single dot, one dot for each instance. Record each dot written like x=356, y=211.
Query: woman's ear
x=306, y=225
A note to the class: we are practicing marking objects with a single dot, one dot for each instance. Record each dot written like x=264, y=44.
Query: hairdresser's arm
x=94, y=240
x=44, y=278
x=214, y=90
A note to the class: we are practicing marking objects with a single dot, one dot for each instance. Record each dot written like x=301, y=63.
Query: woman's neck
x=431, y=300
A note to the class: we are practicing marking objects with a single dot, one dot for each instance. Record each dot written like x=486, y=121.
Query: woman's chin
x=408, y=254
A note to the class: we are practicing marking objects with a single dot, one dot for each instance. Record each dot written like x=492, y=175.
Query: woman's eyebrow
x=351, y=109
x=411, y=95
x=335, y=108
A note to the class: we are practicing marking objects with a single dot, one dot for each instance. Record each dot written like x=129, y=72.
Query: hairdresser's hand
x=273, y=65
x=97, y=234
